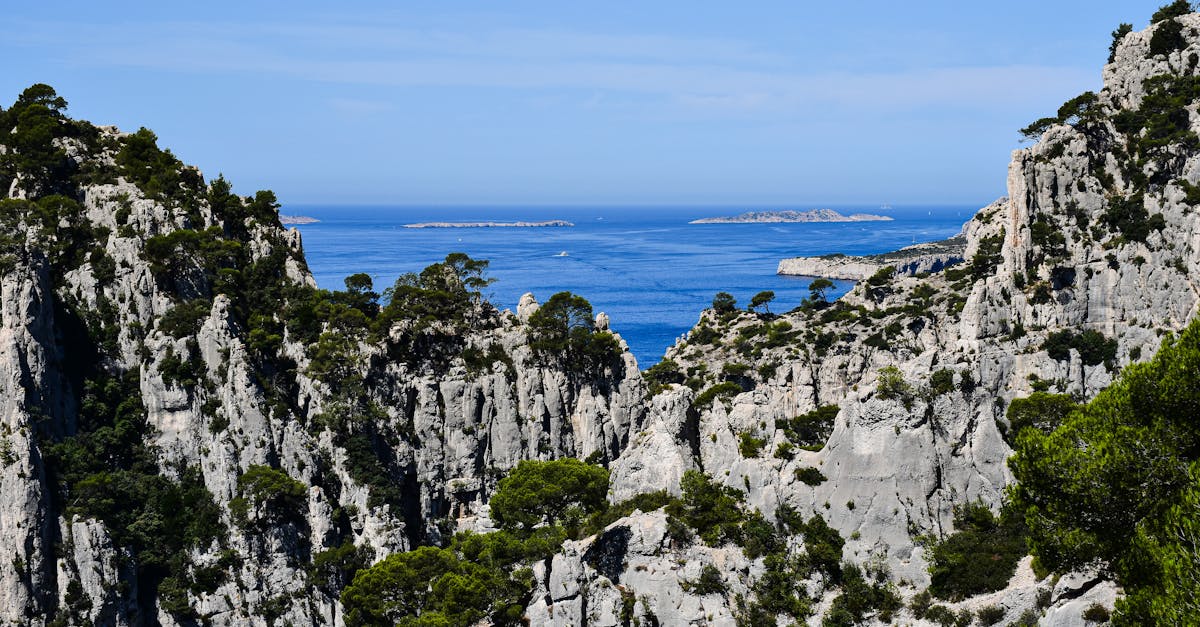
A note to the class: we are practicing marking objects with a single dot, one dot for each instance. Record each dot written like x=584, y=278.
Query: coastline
x=487, y=225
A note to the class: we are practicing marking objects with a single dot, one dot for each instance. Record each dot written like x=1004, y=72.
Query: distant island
x=483, y=225
x=815, y=215
x=294, y=220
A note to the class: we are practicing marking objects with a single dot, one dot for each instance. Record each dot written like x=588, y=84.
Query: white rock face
x=586, y=583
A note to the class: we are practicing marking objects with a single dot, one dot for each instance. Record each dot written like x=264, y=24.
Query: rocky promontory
x=815, y=215
x=908, y=261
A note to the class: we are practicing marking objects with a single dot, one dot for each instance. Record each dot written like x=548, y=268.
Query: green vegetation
x=548, y=492
x=987, y=256
x=1094, y=349
x=762, y=299
x=810, y=476
x=724, y=391
x=861, y=599
x=811, y=430
x=980, y=556
x=432, y=586
x=107, y=472
x=1117, y=36
x=271, y=495
x=711, y=510
x=1171, y=11
x=1082, y=110
x=817, y=290
x=724, y=303
x=563, y=330
x=1117, y=486
x=892, y=385
x=34, y=129
x=608, y=514
x=1041, y=410
x=661, y=375
x=482, y=577
x=709, y=582
x=750, y=446
x=941, y=382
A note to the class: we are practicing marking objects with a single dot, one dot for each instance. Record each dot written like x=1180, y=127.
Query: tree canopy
x=546, y=492
x=563, y=329
x=762, y=299
x=1109, y=487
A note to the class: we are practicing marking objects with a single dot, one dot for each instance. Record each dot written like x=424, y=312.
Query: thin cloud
x=697, y=74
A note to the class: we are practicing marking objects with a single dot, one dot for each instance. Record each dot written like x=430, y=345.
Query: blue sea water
x=646, y=267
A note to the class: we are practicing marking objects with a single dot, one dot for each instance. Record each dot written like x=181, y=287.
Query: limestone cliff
x=1084, y=267
x=191, y=432
x=163, y=338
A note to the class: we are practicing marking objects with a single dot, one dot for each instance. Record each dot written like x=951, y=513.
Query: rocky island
x=192, y=432
x=296, y=220
x=815, y=215
x=487, y=225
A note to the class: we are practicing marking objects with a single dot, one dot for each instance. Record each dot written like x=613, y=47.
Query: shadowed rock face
x=398, y=436
x=607, y=553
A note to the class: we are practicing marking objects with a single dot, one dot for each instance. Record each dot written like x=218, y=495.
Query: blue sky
x=749, y=103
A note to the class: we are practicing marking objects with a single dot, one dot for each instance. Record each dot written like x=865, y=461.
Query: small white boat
x=562, y=254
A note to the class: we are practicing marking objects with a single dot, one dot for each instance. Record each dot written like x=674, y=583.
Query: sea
x=645, y=267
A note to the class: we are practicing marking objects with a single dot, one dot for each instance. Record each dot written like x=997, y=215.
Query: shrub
x=810, y=476
x=1117, y=36
x=882, y=276
x=811, y=430
x=724, y=303
x=941, y=382
x=750, y=446
x=1171, y=11
x=990, y=615
x=662, y=374
x=860, y=599
x=980, y=556
x=709, y=582
x=1094, y=349
x=1096, y=613
x=987, y=256
x=724, y=390
x=608, y=514
x=823, y=545
x=712, y=510
x=1168, y=37
x=891, y=385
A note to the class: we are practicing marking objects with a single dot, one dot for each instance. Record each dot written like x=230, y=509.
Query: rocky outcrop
x=632, y=571
x=908, y=261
